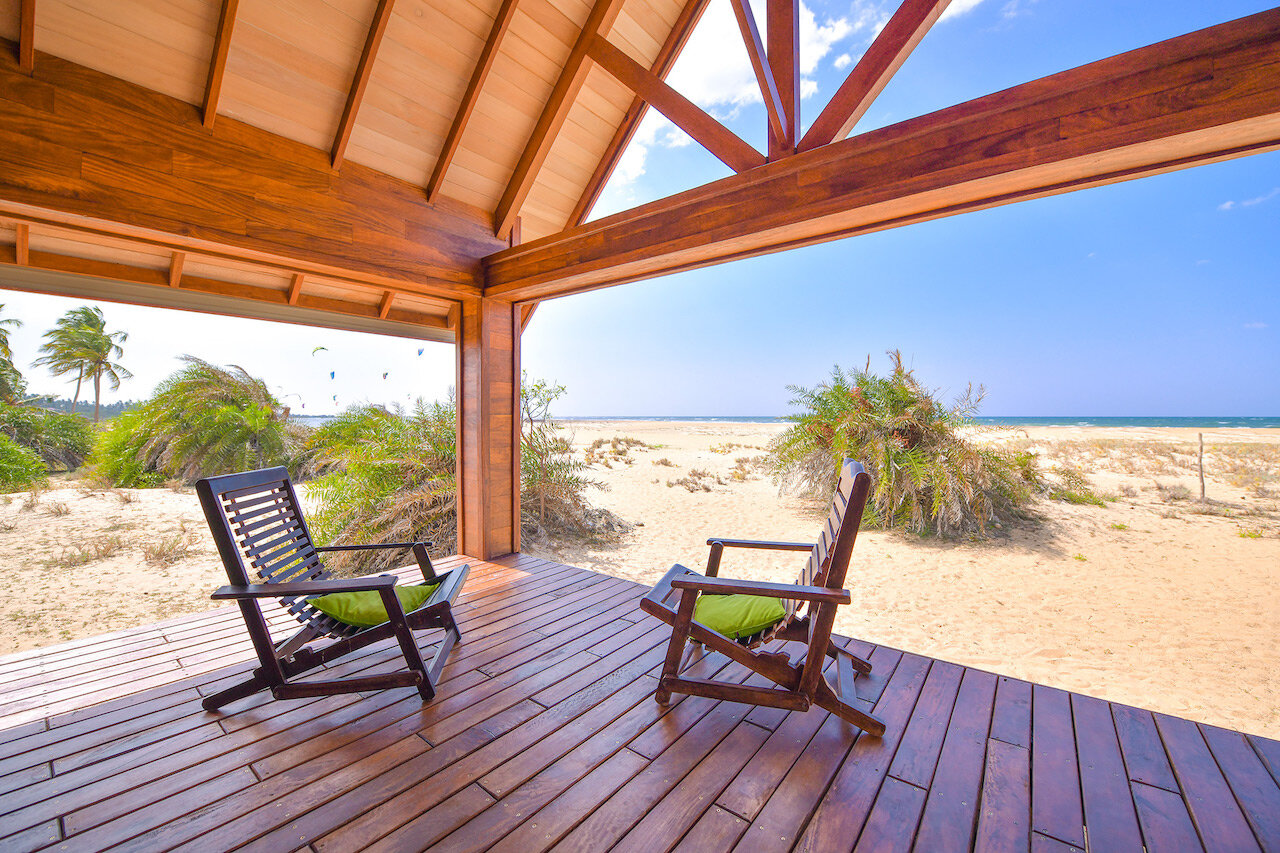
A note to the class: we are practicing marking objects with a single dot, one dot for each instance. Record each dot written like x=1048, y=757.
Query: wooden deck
x=546, y=735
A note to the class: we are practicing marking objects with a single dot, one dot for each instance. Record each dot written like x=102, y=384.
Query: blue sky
x=1152, y=297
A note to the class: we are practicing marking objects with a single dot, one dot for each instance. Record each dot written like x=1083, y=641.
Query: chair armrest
x=752, y=543
x=419, y=553
x=282, y=590
x=727, y=586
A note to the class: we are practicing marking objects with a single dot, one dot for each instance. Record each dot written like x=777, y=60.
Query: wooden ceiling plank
x=384, y=305
x=782, y=23
x=1199, y=98
x=553, y=116
x=175, y=268
x=27, y=36
x=874, y=70
x=22, y=244
x=474, y=86
x=295, y=288
x=723, y=143
x=676, y=40
x=364, y=69
x=218, y=61
x=760, y=65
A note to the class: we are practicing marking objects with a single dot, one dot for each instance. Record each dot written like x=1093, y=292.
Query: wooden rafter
x=27, y=36
x=760, y=65
x=22, y=244
x=218, y=62
x=684, y=26
x=570, y=82
x=176, y=263
x=782, y=19
x=384, y=304
x=526, y=314
x=874, y=70
x=705, y=130
x=364, y=69
x=1203, y=97
x=295, y=288
x=474, y=86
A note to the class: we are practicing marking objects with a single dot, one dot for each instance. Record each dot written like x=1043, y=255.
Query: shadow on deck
x=545, y=735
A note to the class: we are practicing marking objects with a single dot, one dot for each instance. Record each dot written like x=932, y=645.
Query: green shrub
x=202, y=421
x=20, y=468
x=62, y=441
x=926, y=475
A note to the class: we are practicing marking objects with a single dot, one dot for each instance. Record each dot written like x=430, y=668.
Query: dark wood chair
x=818, y=592
x=259, y=529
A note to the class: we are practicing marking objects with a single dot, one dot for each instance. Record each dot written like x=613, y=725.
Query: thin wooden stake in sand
x=1201, y=466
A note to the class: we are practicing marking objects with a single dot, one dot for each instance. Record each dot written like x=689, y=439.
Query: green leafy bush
x=202, y=421
x=927, y=476
x=61, y=441
x=20, y=467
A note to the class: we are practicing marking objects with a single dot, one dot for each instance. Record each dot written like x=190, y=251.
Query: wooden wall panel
x=115, y=159
x=163, y=45
x=291, y=65
x=10, y=11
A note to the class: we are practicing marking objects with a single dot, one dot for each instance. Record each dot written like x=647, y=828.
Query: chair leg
x=237, y=691
x=827, y=699
x=675, y=649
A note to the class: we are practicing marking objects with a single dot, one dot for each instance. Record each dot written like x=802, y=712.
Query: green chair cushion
x=364, y=609
x=738, y=616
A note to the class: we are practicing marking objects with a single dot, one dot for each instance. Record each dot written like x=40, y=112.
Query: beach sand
x=1154, y=599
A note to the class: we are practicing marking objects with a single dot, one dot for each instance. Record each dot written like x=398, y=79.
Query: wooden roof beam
x=1199, y=98
x=877, y=66
x=364, y=69
x=475, y=85
x=218, y=62
x=295, y=288
x=705, y=130
x=176, y=263
x=684, y=26
x=22, y=244
x=760, y=65
x=572, y=78
x=27, y=36
x=782, y=22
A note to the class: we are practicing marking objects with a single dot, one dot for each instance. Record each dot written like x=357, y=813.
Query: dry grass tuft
x=172, y=548
x=57, y=509
x=92, y=551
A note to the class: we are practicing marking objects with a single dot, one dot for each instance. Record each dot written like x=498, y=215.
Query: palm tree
x=5, y=351
x=79, y=343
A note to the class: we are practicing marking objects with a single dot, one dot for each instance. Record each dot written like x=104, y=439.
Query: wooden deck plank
x=544, y=734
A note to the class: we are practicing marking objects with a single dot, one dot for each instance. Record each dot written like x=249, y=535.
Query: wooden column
x=488, y=356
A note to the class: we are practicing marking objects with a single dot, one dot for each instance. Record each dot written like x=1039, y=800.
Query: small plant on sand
x=57, y=509
x=92, y=551
x=20, y=468
x=698, y=480
x=1174, y=492
x=665, y=463
x=1073, y=487
x=1081, y=557
x=1119, y=525
x=1249, y=533
x=171, y=548
x=926, y=475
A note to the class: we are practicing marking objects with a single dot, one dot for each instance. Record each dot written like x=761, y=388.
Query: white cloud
x=1250, y=202
x=958, y=8
x=1255, y=325
x=843, y=61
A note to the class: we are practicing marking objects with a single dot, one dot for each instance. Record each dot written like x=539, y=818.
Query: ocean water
x=999, y=420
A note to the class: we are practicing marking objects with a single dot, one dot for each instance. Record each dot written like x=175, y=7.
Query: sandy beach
x=1153, y=599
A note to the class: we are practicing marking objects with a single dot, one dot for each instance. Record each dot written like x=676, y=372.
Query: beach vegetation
x=1249, y=533
x=1119, y=525
x=202, y=421
x=1174, y=492
x=57, y=509
x=927, y=476
x=62, y=442
x=1071, y=485
x=20, y=467
x=171, y=548
x=94, y=550
x=80, y=346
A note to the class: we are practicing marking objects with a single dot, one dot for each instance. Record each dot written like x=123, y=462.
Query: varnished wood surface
x=1199, y=98
x=545, y=736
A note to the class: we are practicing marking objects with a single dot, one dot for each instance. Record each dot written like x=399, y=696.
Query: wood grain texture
x=756, y=52
x=873, y=72
x=722, y=143
x=1199, y=98
x=364, y=69
x=782, y=23
x=27, y=36
x=218, y=61
x=109, y=157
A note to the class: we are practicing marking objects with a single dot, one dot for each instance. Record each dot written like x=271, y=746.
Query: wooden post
x=1201, y=467
x=488, y=388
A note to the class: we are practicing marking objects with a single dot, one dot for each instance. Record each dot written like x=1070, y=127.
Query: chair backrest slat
x=816, y=567
x=259, y=528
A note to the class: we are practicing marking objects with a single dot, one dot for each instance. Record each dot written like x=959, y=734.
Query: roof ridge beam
x=570, y=82
x=723, y=143
x=873, y=72
x=501, y=23
x=218, y=61
x=676, y=40
x=364, y=70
